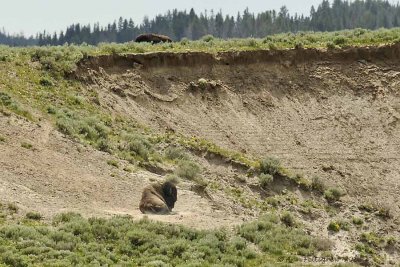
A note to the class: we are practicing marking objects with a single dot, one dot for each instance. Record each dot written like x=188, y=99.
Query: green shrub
x=51, y=110
x=317, y=184
x=207, y=38
x=357, y=221
x=334, y=227
x=330, y=45
x=277, y=240
x=2, y=138
x=113, y=163
x=33, y=215
x=333, y=194
x=339, y=40
x=384, y=211
x=12, y=207
x=139, y=145
x=272, y=46
x=173, y=178
x=174, y=153
x=7, y=102
x=270, y=166
x=44, y=81
x=184, y=41
x=252, y=42
x=288, y=219
x=188, y=169
x=299, y=45
x=26, y=145
x=202, y=83
x=265, y=180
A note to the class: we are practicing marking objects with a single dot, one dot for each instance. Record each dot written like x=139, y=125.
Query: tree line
x=328, y=16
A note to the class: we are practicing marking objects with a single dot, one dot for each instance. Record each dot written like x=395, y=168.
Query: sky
x=32, y=16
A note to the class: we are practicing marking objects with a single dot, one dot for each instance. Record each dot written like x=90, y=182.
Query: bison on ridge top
x=153, y=38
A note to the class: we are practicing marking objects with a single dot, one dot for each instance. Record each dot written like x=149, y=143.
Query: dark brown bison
x=153, y=38
x=158, y=198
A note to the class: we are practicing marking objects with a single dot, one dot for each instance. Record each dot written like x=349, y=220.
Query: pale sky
x=32, y=16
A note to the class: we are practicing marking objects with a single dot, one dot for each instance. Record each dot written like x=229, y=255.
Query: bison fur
x=153, y=38
x=158, y=198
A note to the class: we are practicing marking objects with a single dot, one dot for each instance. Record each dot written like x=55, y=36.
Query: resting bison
x=153, y=38
x=158, y=198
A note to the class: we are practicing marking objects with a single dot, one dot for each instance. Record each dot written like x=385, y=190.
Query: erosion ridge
x=192, y=59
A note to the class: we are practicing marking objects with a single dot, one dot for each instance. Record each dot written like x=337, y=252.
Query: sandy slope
x=59, y=175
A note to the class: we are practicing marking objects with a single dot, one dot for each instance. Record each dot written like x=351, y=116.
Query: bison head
x=170, y=194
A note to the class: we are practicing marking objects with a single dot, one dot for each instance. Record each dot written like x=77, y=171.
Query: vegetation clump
x=113, y=162
x=270, y=166
x=7, y=103
x=317, y=184
x=333, y=194
x=279, y=240
x=74, y=240
x=33, y=215
x=188, y=169
x=265, y=180
x=26, y=145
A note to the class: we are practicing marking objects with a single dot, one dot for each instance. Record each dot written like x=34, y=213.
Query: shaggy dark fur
x=153, y=38
x=158, y=198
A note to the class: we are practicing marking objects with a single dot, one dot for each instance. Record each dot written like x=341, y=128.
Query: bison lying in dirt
x=153, y=38
x=158, y=198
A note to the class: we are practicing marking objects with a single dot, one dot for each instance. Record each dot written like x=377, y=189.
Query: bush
x=252, y=42
x=207, y=38
x=188, y=169
x=317, y=184
x=26, y=145
x=270, y=166
x=172, y=178
x=330, y=45
x=288, y=219
x=7, y=102
x=339, y=40
x=299, y=45
x=174, y=153
x=12, y=207
x=113, y=162
x=44, y=81
x=184, y=41
x=139, y=145
x=333, y=194
x=357, y=221
x=33, y=215
x=265, y=180
x=334, y=227
x=51, y=110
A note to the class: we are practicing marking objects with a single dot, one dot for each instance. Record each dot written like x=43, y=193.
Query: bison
x=153, y=38
x=158, y=198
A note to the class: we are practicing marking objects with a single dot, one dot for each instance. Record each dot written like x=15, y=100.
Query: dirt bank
x=334, y=114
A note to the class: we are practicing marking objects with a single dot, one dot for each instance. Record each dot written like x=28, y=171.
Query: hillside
x=310, y=136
